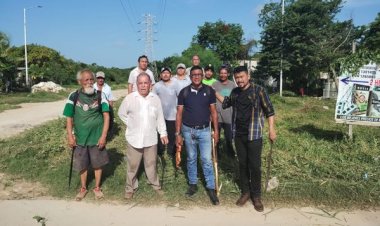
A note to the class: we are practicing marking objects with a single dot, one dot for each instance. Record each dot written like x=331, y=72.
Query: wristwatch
x=177, y=133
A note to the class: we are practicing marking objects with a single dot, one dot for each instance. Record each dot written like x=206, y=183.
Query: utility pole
x=148, y=21
x=282, y=42
x=350, y=128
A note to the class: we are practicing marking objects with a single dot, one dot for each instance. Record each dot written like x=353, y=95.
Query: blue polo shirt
x=196, y=105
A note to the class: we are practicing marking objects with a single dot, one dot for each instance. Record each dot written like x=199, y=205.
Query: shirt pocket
x=152, y=111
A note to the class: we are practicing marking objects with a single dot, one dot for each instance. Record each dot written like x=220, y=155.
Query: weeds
x=314, y=161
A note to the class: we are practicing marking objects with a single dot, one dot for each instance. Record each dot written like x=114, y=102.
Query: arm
x=219, y=97
x=161, y=125
x=69, y=129
x=106, y=124
x=130, y=87
x=123, y=111
x=178, y=123
x=214, y=118
x=272, y=131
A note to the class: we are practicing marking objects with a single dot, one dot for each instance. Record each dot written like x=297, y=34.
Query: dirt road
x=92, y=213
x=15, y=121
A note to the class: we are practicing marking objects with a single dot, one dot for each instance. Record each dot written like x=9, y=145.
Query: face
x=165, y=76
x=143, y=85
x=196, y=77
x=143, y=63
x=181, y=71
x=87, y=81
x=223, y=75
x=242, y=79
x=208, y=74
x=195, y=60
x=100, y=81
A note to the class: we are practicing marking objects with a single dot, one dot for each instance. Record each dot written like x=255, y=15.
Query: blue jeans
x=201, y=138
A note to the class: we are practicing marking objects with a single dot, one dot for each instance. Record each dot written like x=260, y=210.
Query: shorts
x=86, y=155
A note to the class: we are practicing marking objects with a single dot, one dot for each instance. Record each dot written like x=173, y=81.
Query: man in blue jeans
x=196, y=103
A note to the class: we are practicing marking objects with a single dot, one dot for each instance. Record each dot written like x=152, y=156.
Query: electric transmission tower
x=148, y=31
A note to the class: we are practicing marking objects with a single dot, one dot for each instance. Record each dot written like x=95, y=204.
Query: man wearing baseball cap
x=181, y=77
x=209, y=73
x=104, y=87
x=167, y=90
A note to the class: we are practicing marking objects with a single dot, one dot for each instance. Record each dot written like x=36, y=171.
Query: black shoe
x=243, y=199
x=192, y=190
x=259, y=207
x=214, y=199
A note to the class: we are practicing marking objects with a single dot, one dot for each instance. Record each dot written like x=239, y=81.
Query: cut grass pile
x=313, y=159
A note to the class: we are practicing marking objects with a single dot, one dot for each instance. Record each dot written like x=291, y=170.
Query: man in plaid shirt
x=250, y=104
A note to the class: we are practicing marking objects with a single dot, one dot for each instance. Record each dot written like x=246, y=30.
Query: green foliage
x=308, y=39
x=353, y=62
x=207, y=57
x=315, y=162
x=225, y=39
x=371, y=40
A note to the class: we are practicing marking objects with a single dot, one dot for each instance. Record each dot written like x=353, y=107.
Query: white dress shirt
x=144, y=118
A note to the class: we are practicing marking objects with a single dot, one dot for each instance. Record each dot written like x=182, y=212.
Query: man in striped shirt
x=250, y=104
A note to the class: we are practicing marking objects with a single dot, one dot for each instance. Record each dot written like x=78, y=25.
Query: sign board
x=358, y=99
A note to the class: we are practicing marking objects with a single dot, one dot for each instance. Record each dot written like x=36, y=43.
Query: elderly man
x=87, y=121
x=141, y=111
x=196, y=103
x=250, y=103
x=142, y=67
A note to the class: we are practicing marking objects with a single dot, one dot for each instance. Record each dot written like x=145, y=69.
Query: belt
x=199, y=127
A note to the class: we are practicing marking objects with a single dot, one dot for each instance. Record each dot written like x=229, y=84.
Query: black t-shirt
x=243, y=112
x=196, y=105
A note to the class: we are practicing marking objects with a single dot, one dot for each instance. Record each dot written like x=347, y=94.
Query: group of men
x=191, y=108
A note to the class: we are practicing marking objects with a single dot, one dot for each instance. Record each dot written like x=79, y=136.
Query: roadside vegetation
x=315, y=162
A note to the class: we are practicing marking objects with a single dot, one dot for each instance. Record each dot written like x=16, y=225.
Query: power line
x=128, y=18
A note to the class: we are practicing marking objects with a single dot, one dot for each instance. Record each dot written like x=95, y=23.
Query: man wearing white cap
x=104, y=87
x=182, y=79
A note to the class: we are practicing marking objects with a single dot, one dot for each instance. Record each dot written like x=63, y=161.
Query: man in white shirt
x=104, y=87
x=141, y=111
x=195, y=61
x=142, y=67
x=182, y=79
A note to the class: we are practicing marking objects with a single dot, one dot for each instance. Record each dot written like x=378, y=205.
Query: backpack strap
x=99, y=94
x=75, y=100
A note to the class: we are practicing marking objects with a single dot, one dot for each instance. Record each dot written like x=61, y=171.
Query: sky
x=106, y=32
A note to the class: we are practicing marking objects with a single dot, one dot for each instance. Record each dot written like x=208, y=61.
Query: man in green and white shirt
x=87, y=123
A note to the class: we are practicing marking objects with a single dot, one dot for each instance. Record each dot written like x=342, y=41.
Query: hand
x=71, y=141
x=272, y=135
x=101, y=143
x=179, y=140
x=216, y=137
x=164, y=140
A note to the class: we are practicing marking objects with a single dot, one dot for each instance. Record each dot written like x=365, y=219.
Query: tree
x=7, y=62
x=312, y=40
x=371, y=39
x=225, y=39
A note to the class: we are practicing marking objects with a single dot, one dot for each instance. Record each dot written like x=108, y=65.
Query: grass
x=314, y=160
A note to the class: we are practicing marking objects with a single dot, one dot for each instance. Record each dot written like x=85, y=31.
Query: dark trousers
x=249, y=156
x=170, y=128
x=228, y=138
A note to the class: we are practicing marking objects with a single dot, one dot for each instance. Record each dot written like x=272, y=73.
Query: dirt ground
x=21, y=202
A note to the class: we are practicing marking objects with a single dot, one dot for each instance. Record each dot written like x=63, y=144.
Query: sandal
x=82, y=193
x=98, y=193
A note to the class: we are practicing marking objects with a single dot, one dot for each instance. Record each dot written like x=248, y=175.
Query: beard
x=89, y=90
